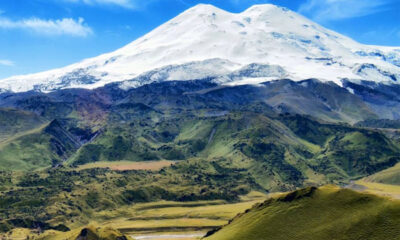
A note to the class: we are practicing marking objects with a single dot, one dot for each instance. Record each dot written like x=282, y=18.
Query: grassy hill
x=386, y=183
x=13, y=122
x=387, y=176
x=46, y=146
x=87, y=233
x=317, y=213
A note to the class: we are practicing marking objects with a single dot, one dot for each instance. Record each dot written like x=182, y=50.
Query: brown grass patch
x=125, y=165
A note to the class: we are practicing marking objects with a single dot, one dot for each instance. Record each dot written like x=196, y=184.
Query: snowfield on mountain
x=263, y=43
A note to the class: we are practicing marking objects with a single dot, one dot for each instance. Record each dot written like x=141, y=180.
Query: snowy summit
x=262, y=43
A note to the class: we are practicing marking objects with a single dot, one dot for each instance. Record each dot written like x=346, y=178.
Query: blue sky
x=37, y=35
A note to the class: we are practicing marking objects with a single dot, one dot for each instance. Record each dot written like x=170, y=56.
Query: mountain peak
x=256, y=9
x=204, y=8
x=265, y=8
x=206, y=41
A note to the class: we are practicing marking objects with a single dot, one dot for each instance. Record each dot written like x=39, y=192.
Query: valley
x=162, y=218
x=184, y=160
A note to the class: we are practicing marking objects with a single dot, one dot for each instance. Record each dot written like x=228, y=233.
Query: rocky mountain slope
x=261, y=130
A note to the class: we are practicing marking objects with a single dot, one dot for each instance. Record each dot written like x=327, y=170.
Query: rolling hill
x=317, y=213
x=87, y=233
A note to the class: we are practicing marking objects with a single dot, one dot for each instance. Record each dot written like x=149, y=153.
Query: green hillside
x=244, y=128
x=220, y=144
x=13, y=122
x=387, y=176
x=317, y=213
x=46, y=146
x=279, y=152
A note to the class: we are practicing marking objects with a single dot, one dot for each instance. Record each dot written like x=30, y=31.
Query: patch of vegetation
x=73, y=197
x=90, y=232
x=387, y=176
x=324, y=213
x=10, y=224
x=379, y=123
x=43, y=147
x=13, y=121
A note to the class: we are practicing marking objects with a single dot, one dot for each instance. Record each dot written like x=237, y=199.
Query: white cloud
x=328, y=10
x=5, y=62
x=131, y=4
x=121, y=3
x=65, y=26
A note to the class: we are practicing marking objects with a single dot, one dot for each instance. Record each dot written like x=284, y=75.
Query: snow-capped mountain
x=262, y=43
